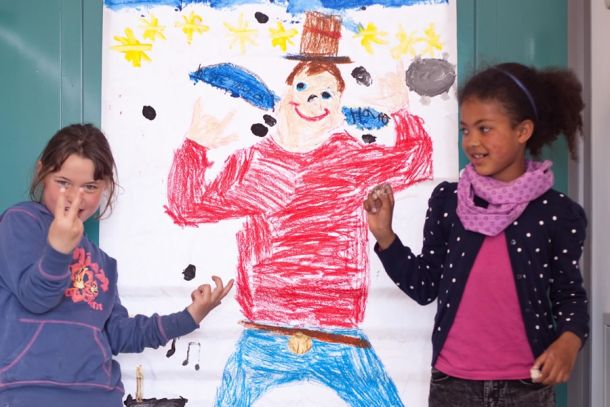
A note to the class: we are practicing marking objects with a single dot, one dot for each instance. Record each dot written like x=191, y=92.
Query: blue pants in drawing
x=263, y=361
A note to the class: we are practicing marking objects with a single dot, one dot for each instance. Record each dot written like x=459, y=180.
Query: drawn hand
x=67, y=229
x=379, y=205
x=207, y=130
x=556, y=362
x=391, y=91
x=205, y=299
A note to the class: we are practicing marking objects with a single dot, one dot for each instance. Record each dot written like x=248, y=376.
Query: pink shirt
x=487, y=340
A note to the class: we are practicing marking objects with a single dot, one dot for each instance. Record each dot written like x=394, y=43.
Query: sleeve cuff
x=192, y=144
x=392, y=250
x=583, y=334
x=177, y=324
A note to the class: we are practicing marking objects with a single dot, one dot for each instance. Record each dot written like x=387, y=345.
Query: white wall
x=599, y=195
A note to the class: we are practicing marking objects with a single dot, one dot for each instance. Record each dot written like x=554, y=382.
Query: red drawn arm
x=407, y=162
x=191, y=199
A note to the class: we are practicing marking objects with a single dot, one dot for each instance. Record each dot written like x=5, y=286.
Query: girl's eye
x=463, y=131
x=62, y=183
x=326, y=95
x=484, y=129
x=90, y=188
x=301, y=86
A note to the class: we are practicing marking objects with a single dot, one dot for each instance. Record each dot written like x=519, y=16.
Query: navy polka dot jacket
x=544, y=246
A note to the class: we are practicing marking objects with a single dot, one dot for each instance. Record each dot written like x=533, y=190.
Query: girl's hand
x=556, y=363
x=67, y=229
x=205, y=299
x=379, y=205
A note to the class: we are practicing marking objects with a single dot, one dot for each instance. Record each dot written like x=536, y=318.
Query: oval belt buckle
x=299, y=343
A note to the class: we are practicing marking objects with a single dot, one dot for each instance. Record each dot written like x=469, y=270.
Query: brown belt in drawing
x=319, y=335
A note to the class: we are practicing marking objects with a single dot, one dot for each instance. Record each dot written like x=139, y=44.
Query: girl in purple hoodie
x=62, y=318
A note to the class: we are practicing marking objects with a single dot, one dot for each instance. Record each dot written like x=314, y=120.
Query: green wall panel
x=531, y=32
x=50, y=76
x=30, y=79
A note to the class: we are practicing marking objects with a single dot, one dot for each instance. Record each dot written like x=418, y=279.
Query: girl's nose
x=474, y=142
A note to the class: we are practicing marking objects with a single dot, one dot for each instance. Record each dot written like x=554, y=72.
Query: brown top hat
x=320, y=39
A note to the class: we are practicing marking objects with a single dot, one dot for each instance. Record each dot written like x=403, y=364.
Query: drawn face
x=76, y=172
x=311, y=107
x=315, y=97
x=494, y=146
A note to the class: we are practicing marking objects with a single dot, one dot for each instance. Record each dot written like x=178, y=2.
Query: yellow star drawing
x=242, y=33
x=432, y=40
x=191, y=25
x=370, y=34
x=406, y=44
x=152, y=29
x=134, y=50
x=280, y=37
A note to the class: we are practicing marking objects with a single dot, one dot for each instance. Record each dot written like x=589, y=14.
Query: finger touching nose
x=74, y=195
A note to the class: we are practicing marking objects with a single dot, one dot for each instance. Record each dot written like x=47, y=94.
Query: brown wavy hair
x=314, y=67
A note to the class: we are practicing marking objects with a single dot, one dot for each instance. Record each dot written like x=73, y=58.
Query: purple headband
x=523, y=88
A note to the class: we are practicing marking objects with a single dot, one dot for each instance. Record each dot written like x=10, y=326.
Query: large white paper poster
x=247, y=134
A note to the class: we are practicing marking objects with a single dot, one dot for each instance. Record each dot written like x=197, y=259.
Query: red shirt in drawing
x=303, y=257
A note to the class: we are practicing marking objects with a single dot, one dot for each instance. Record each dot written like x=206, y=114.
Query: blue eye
x=326, y=95
x=301, y=86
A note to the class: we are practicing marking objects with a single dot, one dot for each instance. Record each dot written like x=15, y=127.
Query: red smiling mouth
x=310, y=118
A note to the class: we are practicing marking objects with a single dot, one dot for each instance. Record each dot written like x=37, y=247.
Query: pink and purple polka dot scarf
x=507, y=200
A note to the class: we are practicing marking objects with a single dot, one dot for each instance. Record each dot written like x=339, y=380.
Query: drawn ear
x=525, y=130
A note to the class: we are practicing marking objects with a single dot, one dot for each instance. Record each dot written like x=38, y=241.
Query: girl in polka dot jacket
x=501, y=248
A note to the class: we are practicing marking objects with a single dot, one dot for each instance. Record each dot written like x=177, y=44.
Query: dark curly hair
x=551, y=98
x=84, y=140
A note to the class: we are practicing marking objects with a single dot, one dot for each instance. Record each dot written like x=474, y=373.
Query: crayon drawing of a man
x=302, y=278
